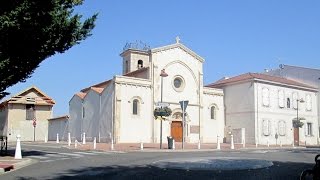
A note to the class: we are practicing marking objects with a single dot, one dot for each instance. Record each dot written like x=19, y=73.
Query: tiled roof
x=133, y=73
x=250, y=76
x=59, y=118
x=97, y=89
x=81, y=94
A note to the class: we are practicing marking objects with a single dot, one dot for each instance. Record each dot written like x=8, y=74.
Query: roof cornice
x=181, y=46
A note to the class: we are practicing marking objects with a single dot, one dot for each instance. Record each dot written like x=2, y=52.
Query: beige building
x=18, y=114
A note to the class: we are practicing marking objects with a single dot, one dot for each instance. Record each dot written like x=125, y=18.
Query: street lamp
x=162, y=74
x=301, y=101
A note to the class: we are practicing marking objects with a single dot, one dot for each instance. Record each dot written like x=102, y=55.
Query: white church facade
x=122, y=108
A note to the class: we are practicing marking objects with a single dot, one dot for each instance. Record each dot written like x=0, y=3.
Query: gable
x=180, y=46
x=31, y=95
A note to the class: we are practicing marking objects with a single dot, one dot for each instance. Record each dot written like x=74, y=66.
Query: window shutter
x=265, y=96
x=305, y=129
x=308, y=102
x=265, y=127
x=281, y=98
x=294, y=99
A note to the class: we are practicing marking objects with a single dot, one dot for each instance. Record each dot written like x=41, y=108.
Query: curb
x=26, y=162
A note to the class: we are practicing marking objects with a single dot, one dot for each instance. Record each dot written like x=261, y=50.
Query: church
x=121, y=109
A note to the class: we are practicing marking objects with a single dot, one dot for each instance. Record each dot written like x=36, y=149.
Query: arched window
x=127, y=66
x=140, y=64
x=135, y=107
x=288, y=102
x=213, y=112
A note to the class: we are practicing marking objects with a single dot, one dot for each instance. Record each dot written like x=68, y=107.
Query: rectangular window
x=281, y=98
x=265, y=97
x=266, y=127
x=30, y=112
x=294, y=100
x=282, y=128
x=308, y=102
x=309, y=129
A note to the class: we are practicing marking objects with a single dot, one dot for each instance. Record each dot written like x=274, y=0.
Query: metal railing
x=4, y=145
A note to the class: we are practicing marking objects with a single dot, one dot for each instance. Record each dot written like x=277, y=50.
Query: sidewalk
x=155, y=147
x=8, y=163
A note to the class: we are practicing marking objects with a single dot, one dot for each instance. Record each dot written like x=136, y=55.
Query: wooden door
x=176, y=130
x=296, y=136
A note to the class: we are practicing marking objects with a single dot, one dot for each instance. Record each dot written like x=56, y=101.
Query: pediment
x=182, y=47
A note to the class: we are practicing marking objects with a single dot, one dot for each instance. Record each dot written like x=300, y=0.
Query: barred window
x=294, y=99
x=308, y=102
x=30, y=111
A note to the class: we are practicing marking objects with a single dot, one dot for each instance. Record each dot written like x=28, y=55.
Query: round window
x=178, y=83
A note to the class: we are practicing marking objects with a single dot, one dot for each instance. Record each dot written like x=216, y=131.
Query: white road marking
x=86, y=153
x=71, y=154
x=55, y=155
x=47, y=161
x=38, y=157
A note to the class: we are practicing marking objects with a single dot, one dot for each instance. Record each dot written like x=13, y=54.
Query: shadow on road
x=280, y=170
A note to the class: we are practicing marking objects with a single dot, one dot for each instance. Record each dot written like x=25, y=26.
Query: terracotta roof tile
x=133, y=73
x=249, y=76
x=97, y=89
x=81, y=94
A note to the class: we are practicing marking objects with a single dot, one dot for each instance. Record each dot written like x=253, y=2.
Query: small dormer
x=135, y=56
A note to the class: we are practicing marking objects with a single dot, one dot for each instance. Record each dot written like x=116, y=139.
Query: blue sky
x=234, y=37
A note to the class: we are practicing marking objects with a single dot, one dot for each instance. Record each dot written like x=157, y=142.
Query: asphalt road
x=53, y=162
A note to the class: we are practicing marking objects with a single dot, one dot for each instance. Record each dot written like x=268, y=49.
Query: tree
x=296, y=123
x=33, y=30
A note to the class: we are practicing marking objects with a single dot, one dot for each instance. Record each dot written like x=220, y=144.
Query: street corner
x=8, y=164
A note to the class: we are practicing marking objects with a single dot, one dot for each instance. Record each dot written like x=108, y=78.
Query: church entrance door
x=176, y=130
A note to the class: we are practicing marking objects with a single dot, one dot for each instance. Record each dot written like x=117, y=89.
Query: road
x=55, y=162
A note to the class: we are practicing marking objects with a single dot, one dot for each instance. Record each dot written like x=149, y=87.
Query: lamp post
x=301, y=101
x=162, y=74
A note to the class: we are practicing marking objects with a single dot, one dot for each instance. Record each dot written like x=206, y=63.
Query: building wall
x=3, y=121
x=60, y=127
x=274, y=114
x=75, y=120
x=17, y=123
x=178, y=63
x=239, y=102
x=213, y=127
x=133, y=128
x=106, y=114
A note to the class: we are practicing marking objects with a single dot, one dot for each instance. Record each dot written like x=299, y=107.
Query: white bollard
x=45, y=139
x=256, y=145
x=243, y=143
x=112, y=147
x=94, y=143
x=99, y=138
x=292, y=143
x=199, y=145
x=69, y=139
x=17, y=154
x=173, y=144
x=232, y=144
x=280, y=144
x=84, y=138
x=57, y=141
x=218, y=142
x=75, y=144
x=141, y=145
